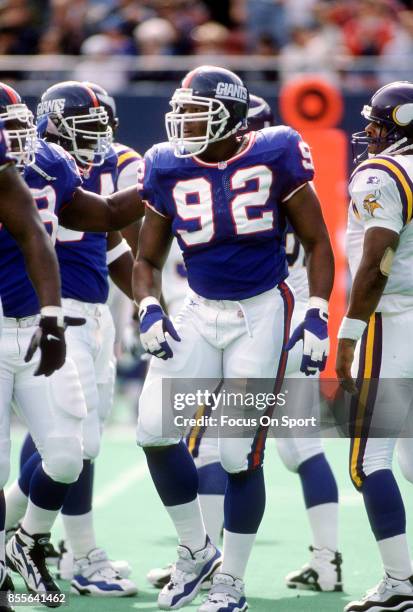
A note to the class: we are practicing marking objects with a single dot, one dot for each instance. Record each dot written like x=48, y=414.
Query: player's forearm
x=146, y=281
x=42, y=266
x=368, y=287
x=320, y=268
x=89, y=212
x=121, y=273
x=125, y=207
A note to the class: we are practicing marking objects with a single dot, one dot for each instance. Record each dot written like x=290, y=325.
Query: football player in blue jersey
x=21, y=219
x=77, y=510
x=86, y=259
x=226, y=198
x=303, y=456
x=54, y=408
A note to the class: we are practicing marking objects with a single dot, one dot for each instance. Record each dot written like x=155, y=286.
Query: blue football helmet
x=19, y=123
x=390, y=107
x=259, y=114
x=71, y=114
x=221, y=101
x=107, y=101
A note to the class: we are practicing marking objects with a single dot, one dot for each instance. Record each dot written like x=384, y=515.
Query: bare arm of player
x=131, y=235
x=154, y=242
x=21, y=218
x=120, y=262
x=304, y=212
x=89, y=212
x=368, y=286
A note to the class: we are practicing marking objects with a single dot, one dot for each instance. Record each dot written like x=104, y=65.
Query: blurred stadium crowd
x=326, y=36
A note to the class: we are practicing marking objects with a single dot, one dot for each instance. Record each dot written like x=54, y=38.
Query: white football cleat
x=226, y=595
x=65, y=564
x=388, y=595
x=188, y=574
x=159, y=576
x=94, y=576
x=321, y=573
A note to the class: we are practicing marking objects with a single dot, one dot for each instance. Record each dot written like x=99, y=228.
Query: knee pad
x=231, y=462
x=405, y=457
x=91, y=435
x=294, y=451
x=405, y=466
x=62, y=459
x=4, y=462
x=150, y=428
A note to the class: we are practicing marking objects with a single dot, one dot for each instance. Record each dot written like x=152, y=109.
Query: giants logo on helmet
x=231, y=91
x=51, y=106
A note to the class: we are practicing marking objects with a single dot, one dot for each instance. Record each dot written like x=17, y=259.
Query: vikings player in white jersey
x=376, y=334
x=226, y=197
x=303, y=456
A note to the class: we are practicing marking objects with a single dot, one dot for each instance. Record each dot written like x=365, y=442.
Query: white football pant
x=220, y=339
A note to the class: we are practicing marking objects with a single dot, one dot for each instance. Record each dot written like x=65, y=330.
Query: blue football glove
x=314, y=333
x=154, y=324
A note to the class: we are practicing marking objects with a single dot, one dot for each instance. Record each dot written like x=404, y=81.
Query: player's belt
x=21, y=322
x=85, y=308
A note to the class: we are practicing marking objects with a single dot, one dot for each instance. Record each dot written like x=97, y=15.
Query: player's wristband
x=320, y=303
x=143, y=305
x=117, y=251
x=352, y=329
x=53, y=311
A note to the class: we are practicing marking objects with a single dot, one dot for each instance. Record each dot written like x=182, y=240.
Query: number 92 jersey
x=229, y=217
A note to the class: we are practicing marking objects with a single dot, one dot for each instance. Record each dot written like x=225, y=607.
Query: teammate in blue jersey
x=227, y=199
x=117, y=172
x=20, y=218
x=20, y=223
x=85, y=261
x=53, y=409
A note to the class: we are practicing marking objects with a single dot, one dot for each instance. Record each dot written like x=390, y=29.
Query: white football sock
x=80, y=533
x=236, y=552
x=212, y=507
x=16, y=504
x=396, y=557
x=323, y=521
x=38, y=520
x=189, y=524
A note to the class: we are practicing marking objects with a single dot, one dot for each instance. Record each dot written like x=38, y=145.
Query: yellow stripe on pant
x=366, y=363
